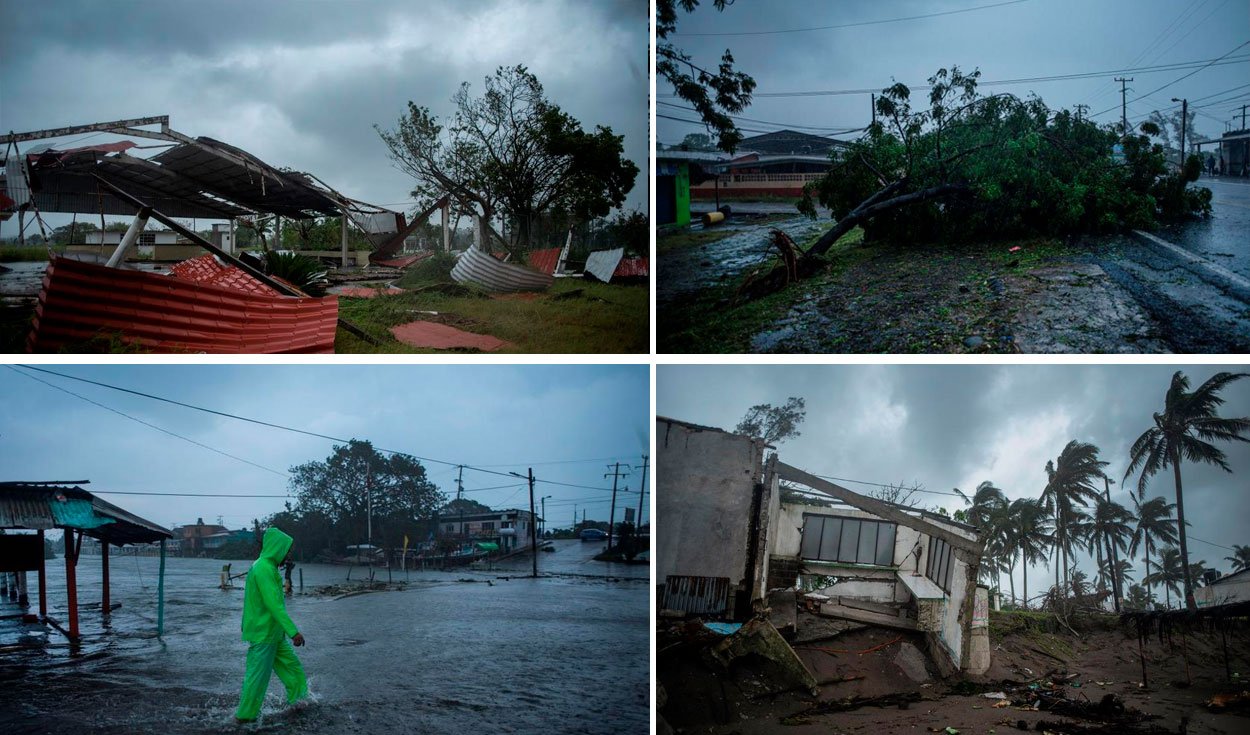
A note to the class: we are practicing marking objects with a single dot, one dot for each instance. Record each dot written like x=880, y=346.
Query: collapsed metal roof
x=196, y=177
x=44, y=506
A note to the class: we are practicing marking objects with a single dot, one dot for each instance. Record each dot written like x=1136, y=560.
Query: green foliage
x=715, y=95
x=434, y=269
x=773, y=424
x=304, y=272
x=1014, y=167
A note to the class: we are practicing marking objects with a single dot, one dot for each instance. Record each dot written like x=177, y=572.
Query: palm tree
x=1240, y=558
x=1123, y=571
x=1198, y=572
x=1030, y=534
x=1169, y=573
x=1185, y=429
x=985, y=502
x=1154, y=524
x=1070, y=487
x=1110, y=531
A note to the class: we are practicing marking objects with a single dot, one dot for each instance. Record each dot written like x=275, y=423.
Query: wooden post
x=43, y=581
x=1141, y=652
x=1228, y=672
x=343, y=222
x=71, y=583
x=104, y=572
x=446, y=219
x=160, y=595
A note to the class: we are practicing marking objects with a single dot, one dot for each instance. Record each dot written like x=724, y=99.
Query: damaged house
x=731, y=547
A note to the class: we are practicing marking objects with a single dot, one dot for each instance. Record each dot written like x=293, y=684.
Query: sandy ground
x=697, y=700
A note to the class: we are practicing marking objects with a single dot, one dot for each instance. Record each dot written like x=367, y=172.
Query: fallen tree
x=974, y=167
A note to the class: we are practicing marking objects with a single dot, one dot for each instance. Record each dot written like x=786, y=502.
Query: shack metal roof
x=40, y=506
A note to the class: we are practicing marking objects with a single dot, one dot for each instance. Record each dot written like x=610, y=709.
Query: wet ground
x=567, y=652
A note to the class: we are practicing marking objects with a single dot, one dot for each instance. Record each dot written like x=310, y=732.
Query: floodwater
x=567, y=652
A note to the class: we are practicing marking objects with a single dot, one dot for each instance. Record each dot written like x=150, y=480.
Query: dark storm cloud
x=950, y=427
x=1028, y=39
x=301, y=84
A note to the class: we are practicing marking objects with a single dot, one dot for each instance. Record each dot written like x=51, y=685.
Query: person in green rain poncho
x=266, y=627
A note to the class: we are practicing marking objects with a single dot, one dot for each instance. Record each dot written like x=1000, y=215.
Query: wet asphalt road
x=1196, y=285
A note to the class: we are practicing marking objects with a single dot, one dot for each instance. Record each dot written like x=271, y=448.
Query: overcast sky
x=508, y=417
x=301, y=84
x=950, y=427
x=1031, y=38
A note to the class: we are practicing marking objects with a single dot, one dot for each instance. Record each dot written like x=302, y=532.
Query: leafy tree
x=715, y=95
x=511, y=152
x=986, y=167
x=1155, y=524
x=1069, y=489
x=697, y=142
x=1240, y=558
x=1186, y=428
x=334, y=497
x=773, y=425
x=1170, y=128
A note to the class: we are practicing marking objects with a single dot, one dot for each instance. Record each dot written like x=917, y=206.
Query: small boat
x=478, y=267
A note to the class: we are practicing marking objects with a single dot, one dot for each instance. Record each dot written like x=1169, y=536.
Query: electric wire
x=852, y=25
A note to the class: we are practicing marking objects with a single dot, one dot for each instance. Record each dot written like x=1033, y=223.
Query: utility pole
x=574, y=526
x=369, y=493
x=642, y=492
x=533, y=533
x=1123, y=103
x=1184, y=115
x=1079, y=110
x=874, y=109
x=615, y=474
x=1243, y=117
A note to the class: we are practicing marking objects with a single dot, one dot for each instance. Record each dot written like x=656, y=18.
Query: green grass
x=15, y=254
x=667, y=243
x=710, y=322
x=572, y=316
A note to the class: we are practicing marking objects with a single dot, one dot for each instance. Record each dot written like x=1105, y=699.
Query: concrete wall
x=1223, y=593
x=705, y=484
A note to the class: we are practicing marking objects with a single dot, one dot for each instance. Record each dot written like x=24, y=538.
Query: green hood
x=275, y=546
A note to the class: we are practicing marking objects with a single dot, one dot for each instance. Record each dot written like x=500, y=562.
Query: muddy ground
x=697, y=698
x=1094, y=295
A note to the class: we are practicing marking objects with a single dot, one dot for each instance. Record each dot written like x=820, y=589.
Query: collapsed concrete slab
x=758, y=638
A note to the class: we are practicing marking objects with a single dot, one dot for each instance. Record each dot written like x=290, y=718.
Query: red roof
x=206, y=270
x=442, y=337
x=175, y=314
x=545, y=260
x=631, y=268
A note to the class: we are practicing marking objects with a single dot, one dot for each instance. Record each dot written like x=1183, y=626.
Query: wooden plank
x=76, y=129
x=877, y=508
x=864, y=616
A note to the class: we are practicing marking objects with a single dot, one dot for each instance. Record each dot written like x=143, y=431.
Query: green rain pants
x=264, y=659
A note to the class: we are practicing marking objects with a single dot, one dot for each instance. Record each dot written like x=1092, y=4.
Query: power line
x=854, y=25
x=261, y=423
x=185, y=495
x=148, y=424
x=881, y=484
x=765, y=122
x=1178, y=79
x=1175, y=66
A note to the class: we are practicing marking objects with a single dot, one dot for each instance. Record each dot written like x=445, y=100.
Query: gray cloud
x=954, y=426
x=301, y=84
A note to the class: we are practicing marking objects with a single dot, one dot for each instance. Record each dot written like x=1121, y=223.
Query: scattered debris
x=901, y=700
x=758, y=638
x=479, y=268
x=442, y=337
x=1229, y=700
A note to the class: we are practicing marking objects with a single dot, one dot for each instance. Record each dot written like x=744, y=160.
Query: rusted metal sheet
x=25, y=508
x=696, y=595
x=475, y=266
x=79, y=301
x=545, y=260
x=631, y=268
x=206, y=270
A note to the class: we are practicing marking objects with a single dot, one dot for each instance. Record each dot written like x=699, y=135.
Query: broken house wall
x=706, y=493
x=880, y=584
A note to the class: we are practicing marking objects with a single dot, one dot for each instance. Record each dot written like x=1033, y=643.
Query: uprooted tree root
x=793, y=266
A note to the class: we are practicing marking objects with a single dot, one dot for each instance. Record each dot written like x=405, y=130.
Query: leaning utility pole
x=533, y=534
x=642, y=492
x=616, y=474
x=1184, y=115
x=1123, y=103
x=1080, y=109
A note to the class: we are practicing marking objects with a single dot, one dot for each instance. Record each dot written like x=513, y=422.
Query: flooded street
x=454, y=651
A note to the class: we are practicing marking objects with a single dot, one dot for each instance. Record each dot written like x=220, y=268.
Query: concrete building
x=1226, y=590
x=728, y=540
x=191, y=537
x=508, y=528
x=675, y=173
x=776, y=164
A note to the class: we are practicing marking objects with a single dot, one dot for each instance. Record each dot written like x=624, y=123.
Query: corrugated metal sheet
x=167, y=314
x=545, y=260
x=631, y=268
x=206, y=270
x=696, y=595
x=45, y=506
x=25, y=509
x=602, y=263
x=404, y=261
x=475, y=266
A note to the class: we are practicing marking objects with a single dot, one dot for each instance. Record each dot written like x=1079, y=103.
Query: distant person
x=287, y=567
x=266, y=627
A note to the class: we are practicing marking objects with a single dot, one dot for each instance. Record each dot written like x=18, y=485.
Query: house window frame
x=939, y=563
x=820, y=557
